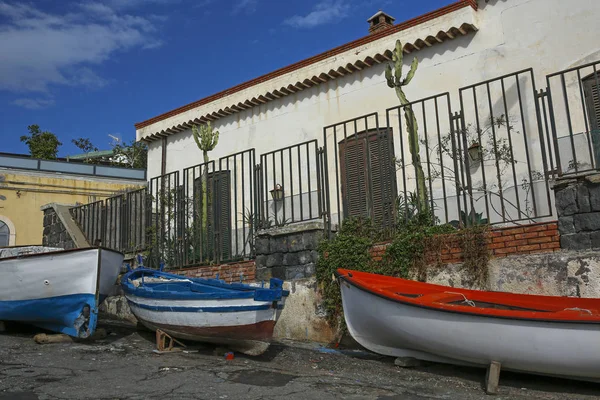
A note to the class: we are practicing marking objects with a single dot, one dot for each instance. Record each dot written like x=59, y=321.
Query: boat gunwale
x=233, y=290
x=55, y=252
x=464, y=310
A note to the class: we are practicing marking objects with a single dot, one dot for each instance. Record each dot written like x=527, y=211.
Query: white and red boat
x=558, y=336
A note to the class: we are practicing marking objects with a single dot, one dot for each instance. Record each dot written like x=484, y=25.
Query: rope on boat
x=578, y=309
x=469, y=302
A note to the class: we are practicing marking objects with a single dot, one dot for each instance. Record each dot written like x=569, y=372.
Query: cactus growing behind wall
x=206, y=139
x=395, y=81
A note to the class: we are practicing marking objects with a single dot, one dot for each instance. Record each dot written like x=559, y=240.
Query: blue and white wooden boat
x=237, y=315
x=57, y=290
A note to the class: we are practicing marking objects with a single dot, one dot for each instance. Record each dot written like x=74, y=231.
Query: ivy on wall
x=414, y=251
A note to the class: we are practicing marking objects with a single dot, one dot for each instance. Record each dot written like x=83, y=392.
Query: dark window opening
x=368, y=176
x=4, y=234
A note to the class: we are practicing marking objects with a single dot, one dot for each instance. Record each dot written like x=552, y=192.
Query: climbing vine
x=414, y=251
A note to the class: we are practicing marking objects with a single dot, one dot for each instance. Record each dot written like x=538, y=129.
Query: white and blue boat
x=57, y=290
x=237, y=315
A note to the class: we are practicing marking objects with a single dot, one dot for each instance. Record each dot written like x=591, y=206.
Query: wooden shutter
x=383, y=182
x=353, y=165
x=592, y=102
x=219, y=213
x=368, y=176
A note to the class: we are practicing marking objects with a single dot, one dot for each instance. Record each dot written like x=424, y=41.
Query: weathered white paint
x=198, y=319
x=304, y=318
x=547, y=35
x=55, y=274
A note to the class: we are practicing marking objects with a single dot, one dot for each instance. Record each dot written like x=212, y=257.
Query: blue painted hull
x=59, y=290
x=58, y=314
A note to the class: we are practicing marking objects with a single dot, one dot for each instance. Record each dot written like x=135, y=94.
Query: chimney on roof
x=380, y=21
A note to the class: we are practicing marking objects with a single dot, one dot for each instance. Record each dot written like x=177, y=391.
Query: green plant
x=408, y=254
x=42, y=145
x=468, y=220
x=85, y=145
x=407, y=207
x=132, y=155
x=395, y=81
x=206, y=139
x=476, y=255
x=349, y=248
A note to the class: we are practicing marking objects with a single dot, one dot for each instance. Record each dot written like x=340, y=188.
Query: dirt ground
x=124, y=366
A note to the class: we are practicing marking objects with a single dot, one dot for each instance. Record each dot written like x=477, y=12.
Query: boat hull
x=244, y=325
x=59, y=291
x=397, y=329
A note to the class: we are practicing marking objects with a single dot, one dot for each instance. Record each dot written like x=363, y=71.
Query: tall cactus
x=206, y=139
x=395, y=81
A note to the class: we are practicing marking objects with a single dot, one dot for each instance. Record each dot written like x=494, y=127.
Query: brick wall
x=534, y=238
x=228, y=272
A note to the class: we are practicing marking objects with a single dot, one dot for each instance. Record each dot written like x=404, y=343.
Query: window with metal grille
x=4, y=234
x=368, y=175
x=592, y=103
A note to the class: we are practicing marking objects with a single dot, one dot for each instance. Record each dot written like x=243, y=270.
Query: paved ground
x=123, y=366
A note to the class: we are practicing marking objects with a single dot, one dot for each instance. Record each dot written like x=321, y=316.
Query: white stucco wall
x=547, y=35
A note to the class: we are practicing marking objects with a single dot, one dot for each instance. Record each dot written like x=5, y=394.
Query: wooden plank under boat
x=238, y=315
x=58, y=290
x=548, y=335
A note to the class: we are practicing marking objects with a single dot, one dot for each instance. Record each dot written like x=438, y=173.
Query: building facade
x=27, y=184
x=505, y=97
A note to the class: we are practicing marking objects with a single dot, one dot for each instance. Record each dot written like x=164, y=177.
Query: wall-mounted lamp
x=277, y=192
x=474, y=153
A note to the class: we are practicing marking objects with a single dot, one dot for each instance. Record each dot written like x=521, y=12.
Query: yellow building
x=26, y=184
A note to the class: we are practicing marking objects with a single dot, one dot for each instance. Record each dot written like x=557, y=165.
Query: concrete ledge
x=63, y=214
x=316, y=225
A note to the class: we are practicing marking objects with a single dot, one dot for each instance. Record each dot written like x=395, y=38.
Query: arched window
x=4, y=235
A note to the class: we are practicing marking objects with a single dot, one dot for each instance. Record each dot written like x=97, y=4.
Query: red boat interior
x=494, y=304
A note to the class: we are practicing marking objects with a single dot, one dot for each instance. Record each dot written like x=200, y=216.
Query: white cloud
x=40, y=49
x=33, y=104
x=247, y=6
x=124, y=4
x=323, y=12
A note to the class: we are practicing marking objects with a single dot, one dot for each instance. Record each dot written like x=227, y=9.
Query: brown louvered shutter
x=219, y=213
x=368, y=176
x=592, y=101
x=383, y=192
x=353, y=166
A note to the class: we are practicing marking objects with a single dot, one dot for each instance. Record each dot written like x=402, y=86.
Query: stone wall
x=242, y=271
x=59, y=228
x=578, y=208
x=288, y=252
x=55, y=233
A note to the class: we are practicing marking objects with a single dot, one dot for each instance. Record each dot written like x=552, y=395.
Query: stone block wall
x=242, y=271
x=578, y=208
x=289, y=252
x=55, y=233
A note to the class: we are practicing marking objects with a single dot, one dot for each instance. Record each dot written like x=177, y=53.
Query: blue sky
x=93, y=68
